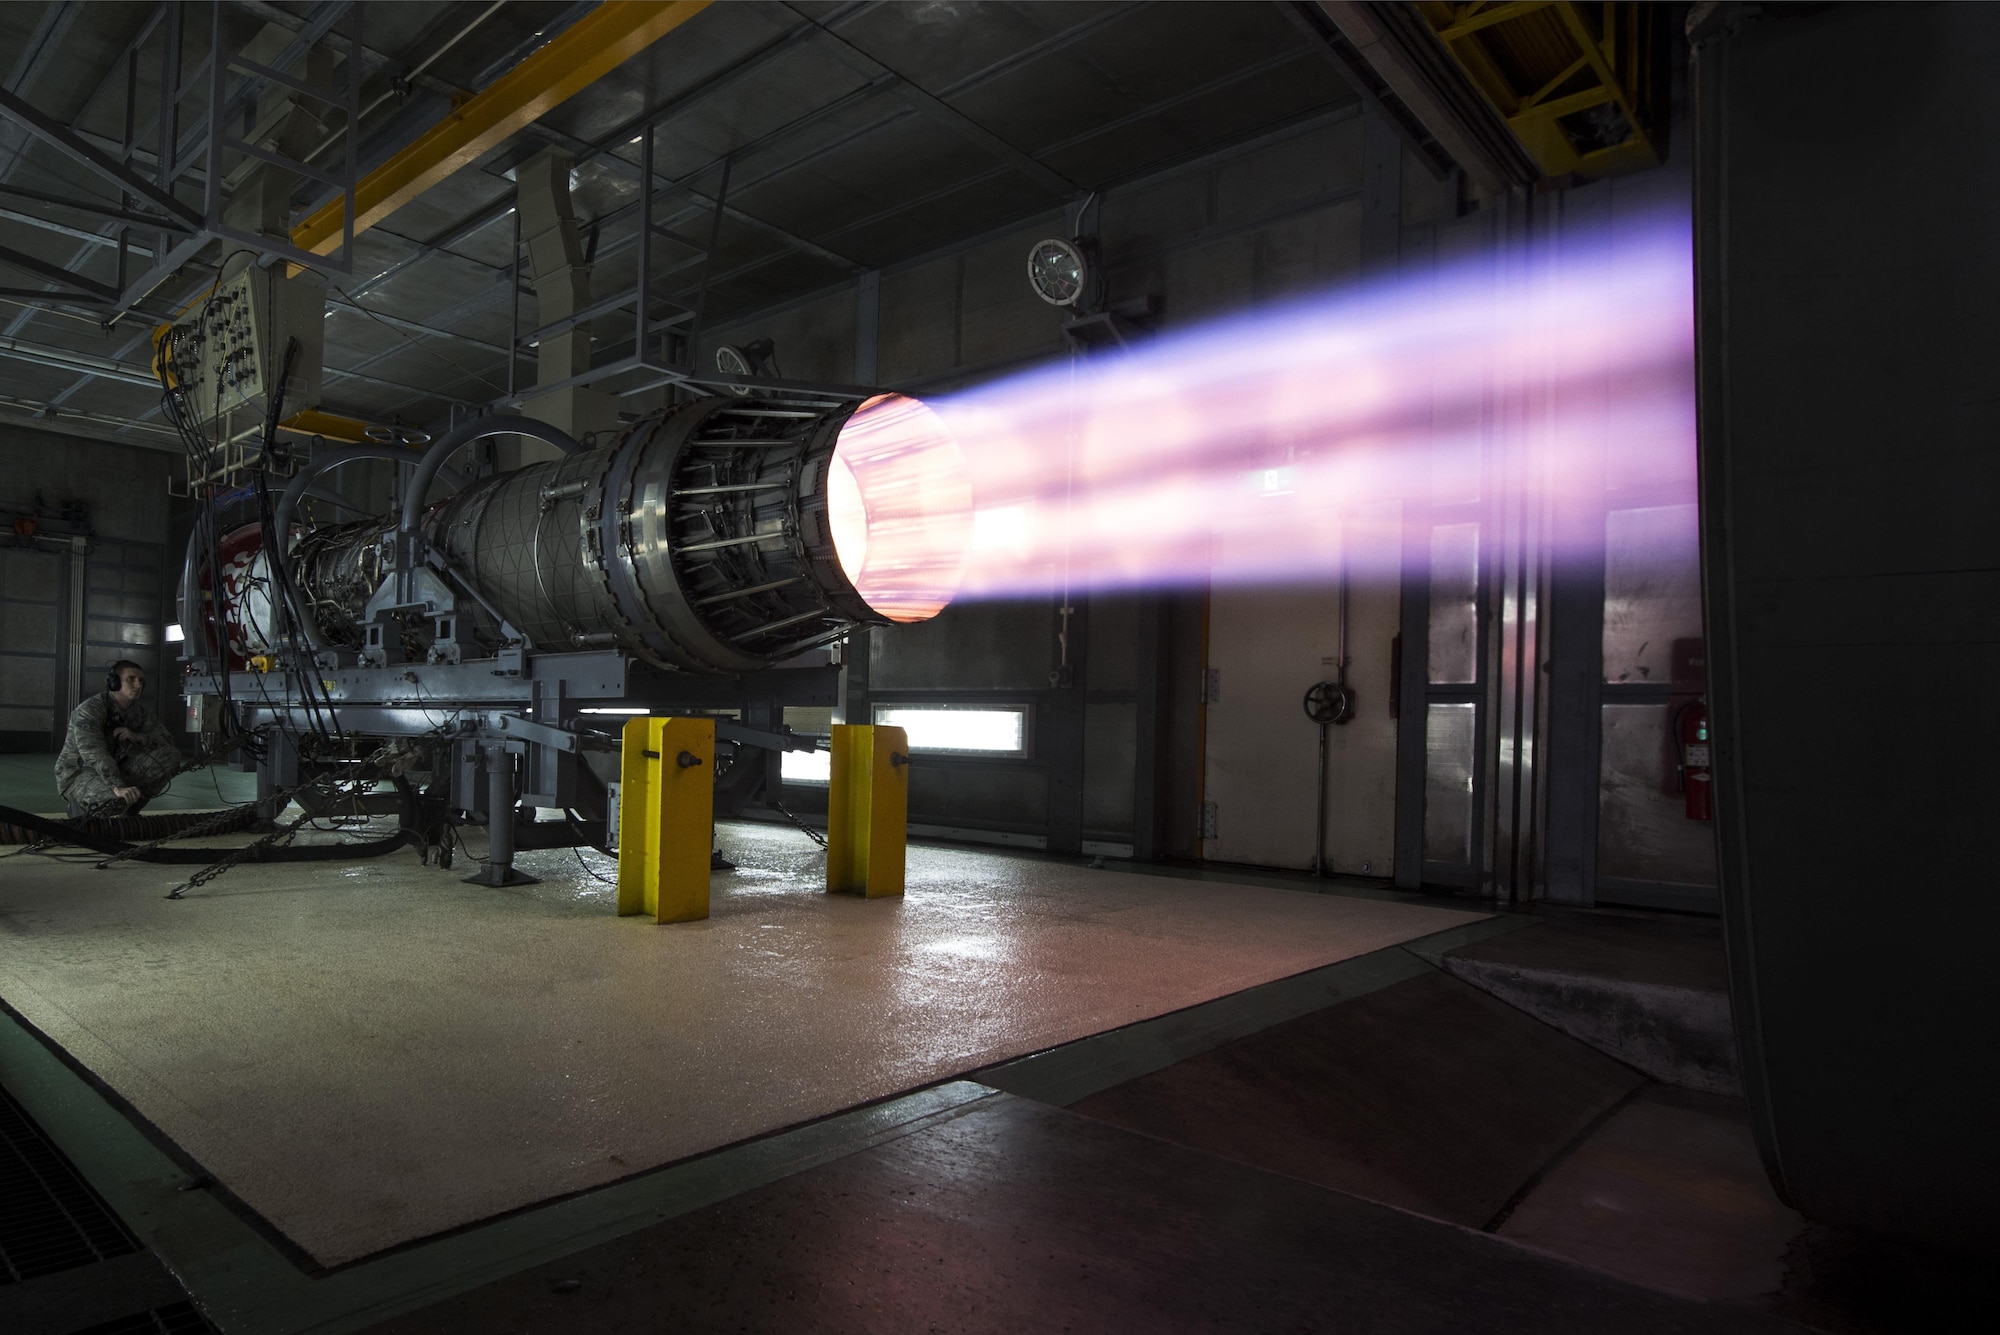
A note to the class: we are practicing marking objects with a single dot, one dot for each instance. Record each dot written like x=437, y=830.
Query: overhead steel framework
x=180, y=147
x=154, y=259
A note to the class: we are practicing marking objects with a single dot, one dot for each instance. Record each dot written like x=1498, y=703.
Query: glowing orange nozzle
x=899, y=501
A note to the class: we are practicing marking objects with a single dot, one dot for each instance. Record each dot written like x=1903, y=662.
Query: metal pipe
x=332, y=457
x=499, y=814
x=1319, y=844
x=499, y=868
x=1340, y=662
x=73, y=692
x=333, y=498
x=1342, y=711
x=190, y=591
x=459, y=437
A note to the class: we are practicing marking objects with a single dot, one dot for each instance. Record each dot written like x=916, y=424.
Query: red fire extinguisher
x=1691, y=732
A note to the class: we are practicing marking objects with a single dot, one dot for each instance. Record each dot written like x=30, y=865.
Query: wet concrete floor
x=369, y=1054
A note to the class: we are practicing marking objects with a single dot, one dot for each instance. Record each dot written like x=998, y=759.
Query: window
x=962, y=730
x=805, y=766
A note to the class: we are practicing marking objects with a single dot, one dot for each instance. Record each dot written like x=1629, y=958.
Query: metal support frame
x=652, y=367
x=499, y=723
x=197, y=158
x=498, y=869
x=605, y=150
x=588, y=49
x=174, y=213
x=221, y=142
x=1413, y=716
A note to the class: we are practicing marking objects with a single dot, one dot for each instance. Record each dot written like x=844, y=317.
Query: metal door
x=32, y=586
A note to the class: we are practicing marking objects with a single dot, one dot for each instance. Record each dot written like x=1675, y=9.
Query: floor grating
x=50, y=1219
x=173, y=1319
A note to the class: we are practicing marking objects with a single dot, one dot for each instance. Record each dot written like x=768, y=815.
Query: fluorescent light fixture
x=806, y=766
x=617, y=709
x=960, y=730
x=174, y=635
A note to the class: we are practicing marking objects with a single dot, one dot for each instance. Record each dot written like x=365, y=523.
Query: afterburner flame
x=1292, y=443
x=899, y=499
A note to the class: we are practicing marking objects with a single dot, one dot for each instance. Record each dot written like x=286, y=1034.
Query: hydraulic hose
x=103, y=843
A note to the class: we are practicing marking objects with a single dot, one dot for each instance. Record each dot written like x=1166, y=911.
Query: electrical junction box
x=229, y=348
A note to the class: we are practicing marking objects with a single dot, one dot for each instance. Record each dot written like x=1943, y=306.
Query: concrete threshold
x=1073, y=1071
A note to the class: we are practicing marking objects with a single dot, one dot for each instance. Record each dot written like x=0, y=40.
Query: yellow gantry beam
x=589, y=49
x=1581, y=85
x=313, y=422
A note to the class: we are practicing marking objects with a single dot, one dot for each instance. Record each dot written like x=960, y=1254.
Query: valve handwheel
x=1329, y=702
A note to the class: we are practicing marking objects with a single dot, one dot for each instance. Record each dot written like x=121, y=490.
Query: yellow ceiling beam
x=583, y=53
x=1520, y=56
x=1486, y=18
x=316, y=423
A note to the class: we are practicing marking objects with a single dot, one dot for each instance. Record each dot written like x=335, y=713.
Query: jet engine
x=686, y=568
x=717, y=538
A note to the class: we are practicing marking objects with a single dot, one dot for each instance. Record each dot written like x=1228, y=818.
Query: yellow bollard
x=868, y=810
x=666, y=813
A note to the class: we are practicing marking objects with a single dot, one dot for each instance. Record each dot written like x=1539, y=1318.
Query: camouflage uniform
x=93, y=763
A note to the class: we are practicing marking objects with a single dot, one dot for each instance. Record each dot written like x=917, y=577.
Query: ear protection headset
x=111, y=680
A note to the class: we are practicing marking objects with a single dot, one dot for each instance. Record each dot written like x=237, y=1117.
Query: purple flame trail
x=1274, y=446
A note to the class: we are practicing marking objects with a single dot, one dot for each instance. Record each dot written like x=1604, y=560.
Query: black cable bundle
x=185, y=418
x=289, y=604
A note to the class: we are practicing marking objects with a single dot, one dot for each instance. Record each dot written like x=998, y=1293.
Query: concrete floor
x=1668, y=1193
x=1201, y=1169
x=365, y=1055
x=1434, y=1097
x=1429, y=1096
x=1019, y=1217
